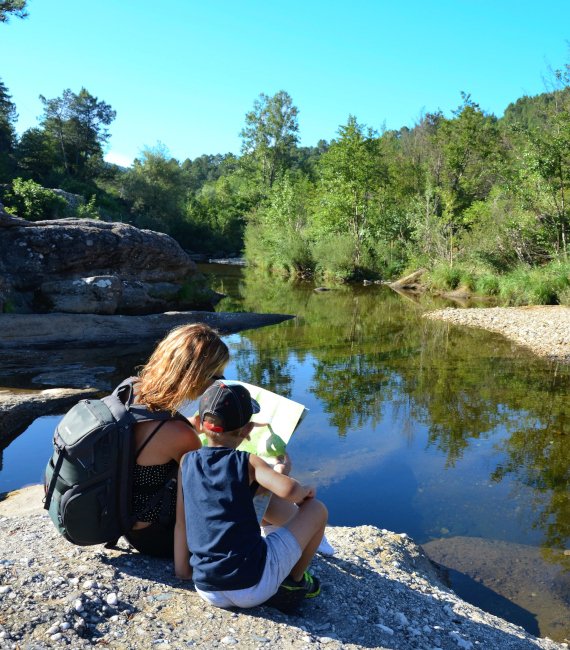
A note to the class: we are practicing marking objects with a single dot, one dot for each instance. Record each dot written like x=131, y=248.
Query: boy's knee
x=318, y=509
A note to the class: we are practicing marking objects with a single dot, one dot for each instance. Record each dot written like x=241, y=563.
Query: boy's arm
x=182, y=566
x=279, y=484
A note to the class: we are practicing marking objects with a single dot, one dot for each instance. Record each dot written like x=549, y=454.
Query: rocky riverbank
x=379, y=591
x=545, y=329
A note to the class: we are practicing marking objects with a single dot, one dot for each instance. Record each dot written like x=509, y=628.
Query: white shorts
x=283, y=552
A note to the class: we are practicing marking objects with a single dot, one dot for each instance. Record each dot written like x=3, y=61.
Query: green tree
x=270, y=135
x=154, y=187
x=350, y=192
x=276, y=233
x=78, y=123
x=12, y=7
x=37, y=156
x=8, y=117
x=544, y=173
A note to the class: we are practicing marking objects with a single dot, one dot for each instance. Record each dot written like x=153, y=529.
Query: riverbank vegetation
x=480, y=201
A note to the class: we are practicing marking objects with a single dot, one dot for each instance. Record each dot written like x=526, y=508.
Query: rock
x=355, y=582
x=86, y=355
x=91, y=266
x=93, y=295
x=49, y=331
x=19, y=410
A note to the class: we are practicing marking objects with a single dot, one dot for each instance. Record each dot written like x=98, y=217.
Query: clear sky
x=185, y=72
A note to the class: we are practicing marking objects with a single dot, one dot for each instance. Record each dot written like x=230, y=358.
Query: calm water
x=451, y=435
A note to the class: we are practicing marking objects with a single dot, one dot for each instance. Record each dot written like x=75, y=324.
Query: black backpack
x=89, y=477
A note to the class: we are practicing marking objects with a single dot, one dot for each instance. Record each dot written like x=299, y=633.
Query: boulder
x=91, y=266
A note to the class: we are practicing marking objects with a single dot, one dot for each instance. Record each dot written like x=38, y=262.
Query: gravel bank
x=545, y=330
x=379, y=591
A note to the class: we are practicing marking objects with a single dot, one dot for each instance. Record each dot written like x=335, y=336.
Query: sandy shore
x=545, y=330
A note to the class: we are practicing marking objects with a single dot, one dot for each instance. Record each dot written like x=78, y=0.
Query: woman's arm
x=182, y=566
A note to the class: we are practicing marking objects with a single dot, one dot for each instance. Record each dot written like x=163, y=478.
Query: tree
x=154, y=187
x=37, y=156
x=15, y=7
x=78, y=122
x=270, y=135
x=350, y=189
x=545, y=170
x=8, y=117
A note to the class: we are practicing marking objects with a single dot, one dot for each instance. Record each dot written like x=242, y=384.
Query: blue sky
x=185, y=73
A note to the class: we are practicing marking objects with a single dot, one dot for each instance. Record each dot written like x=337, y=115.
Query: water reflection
x=445, y=433
x=449, y=431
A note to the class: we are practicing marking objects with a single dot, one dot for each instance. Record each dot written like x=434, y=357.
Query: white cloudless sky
x=185, y=73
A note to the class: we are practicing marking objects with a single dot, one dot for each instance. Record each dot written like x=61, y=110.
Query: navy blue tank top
x=228, y=551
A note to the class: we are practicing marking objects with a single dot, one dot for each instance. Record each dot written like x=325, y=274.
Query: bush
x=334, y=255
x=487, y=284
x=29, y=200
x=445, y=277
x=546, y=285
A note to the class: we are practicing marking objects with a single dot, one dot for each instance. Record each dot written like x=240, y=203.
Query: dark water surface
x=452, y=435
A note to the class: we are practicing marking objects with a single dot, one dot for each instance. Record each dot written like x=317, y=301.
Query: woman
x=181, y=368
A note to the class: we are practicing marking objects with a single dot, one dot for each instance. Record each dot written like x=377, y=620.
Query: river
x=452, y=435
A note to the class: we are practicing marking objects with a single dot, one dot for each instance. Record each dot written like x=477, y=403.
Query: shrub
x=487, y=284
x=29, y=200
x=445, y=277
x=334, y=255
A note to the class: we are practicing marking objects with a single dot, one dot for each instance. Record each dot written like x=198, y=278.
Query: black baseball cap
x=231, y=403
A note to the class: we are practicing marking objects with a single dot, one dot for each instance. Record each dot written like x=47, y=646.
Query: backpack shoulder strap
x=149, y=438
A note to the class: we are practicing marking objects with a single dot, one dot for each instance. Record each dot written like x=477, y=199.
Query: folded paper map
x=281, y=417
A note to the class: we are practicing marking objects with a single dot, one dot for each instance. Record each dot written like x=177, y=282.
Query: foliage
x=154, y=187
x=535, y=286
x=14, y=7
x=480, y=201
x=350, y=192
x=270, y=135
x=88, y=210
x=8, y=117
x=276, y=232
x=31, y=201
x=78, y=124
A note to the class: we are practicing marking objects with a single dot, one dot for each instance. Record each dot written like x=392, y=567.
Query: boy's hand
x=283, y=465
x=311, y=492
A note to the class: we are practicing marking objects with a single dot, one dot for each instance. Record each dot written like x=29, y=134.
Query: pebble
x=229, y=640
x=78, y=605
x=543, y=329
x=385, y=629
x=4, y=589
x=111, y=599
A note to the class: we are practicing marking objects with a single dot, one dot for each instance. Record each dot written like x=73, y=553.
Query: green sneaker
x=291, y=594
x=308, y=583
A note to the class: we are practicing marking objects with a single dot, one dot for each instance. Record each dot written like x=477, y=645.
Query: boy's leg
x=279, y=511
x=308, y=526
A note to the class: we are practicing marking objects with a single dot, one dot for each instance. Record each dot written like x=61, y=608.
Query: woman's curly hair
x=181, y=367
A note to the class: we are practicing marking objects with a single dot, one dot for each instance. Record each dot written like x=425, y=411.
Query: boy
x=231, y=563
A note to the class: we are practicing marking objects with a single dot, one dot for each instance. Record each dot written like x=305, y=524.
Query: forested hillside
x=479, y=201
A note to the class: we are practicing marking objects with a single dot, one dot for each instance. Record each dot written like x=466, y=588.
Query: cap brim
x=255, y=408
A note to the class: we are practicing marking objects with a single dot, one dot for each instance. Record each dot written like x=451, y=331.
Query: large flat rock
x=41, y=331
